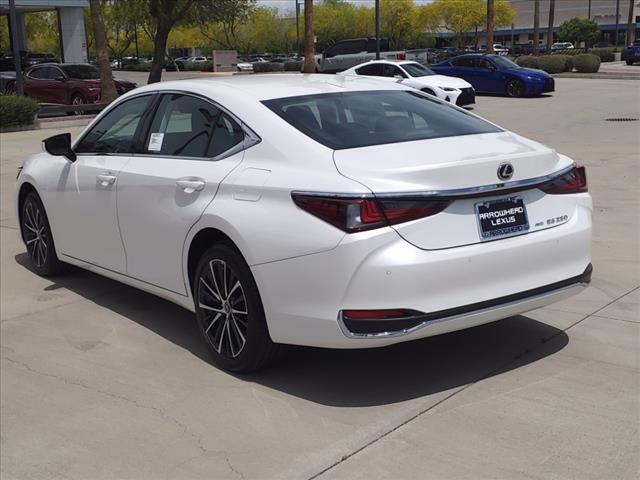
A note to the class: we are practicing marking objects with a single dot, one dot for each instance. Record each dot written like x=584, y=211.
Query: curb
x=47, y=123
x=595, y=76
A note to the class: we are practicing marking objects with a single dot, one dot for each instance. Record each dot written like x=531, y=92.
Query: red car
x=67, y=83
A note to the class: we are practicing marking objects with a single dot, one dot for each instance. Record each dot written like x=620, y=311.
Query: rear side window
x=360, y=119
x=186, y=126
x=373, y=69
x=115, y=132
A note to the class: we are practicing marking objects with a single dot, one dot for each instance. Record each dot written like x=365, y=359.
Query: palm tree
x=108, y=89
x=309, y=46
x=552, y=8
x=536, y=26
x=631, y=28
x=489, y=26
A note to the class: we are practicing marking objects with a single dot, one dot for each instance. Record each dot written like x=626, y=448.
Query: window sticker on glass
x=155, y=142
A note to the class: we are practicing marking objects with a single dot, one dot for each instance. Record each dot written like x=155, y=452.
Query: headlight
x=448, y=89
x=535, y=79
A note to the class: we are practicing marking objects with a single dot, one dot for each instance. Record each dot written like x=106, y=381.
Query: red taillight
x=574, y=181
x=359, y=214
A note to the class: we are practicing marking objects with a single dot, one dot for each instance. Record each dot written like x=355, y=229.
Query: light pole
x=298, y=27
x=13, y=22
x=617, y=21
x=377, y=29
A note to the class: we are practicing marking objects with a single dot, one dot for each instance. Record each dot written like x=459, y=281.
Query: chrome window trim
x=496, y=188
x=251, y=138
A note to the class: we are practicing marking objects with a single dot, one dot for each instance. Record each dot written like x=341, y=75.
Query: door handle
x=106, y=179
x=190, y=185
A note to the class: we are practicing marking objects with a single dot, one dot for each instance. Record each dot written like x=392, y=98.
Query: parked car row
x=65, y=84
x=27, y=59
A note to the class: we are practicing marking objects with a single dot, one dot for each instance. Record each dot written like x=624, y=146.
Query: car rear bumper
x=455, y=288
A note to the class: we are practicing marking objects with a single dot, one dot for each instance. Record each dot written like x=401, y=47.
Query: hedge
x=548, y=63
x=16, y=111
x=198, y=67
x=528, y=61
x=605, y=54
x=552, y=63
x=586, y=63
x=265, y=67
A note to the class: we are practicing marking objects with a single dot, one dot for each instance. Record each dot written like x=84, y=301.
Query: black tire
x=515, y=88
x=230, y=315
x=77, y=99
x=629, y=62
x=36, y=234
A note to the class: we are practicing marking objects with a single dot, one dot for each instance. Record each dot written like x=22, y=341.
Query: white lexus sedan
x=318, y=210
x=450, y=89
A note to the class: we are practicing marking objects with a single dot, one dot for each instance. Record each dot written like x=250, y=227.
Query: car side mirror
x=60, y=78
x=60, y=145
x=399, y=78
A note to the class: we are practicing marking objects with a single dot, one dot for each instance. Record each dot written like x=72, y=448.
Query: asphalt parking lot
x=99, y=380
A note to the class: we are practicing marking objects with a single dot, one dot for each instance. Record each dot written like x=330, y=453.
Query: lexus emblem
x=505, y=171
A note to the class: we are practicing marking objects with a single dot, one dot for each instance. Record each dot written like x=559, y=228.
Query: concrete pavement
x=99, y=380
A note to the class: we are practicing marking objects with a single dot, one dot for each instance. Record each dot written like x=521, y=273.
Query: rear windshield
x=359, y=119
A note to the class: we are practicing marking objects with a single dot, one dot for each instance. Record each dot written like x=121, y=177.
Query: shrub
x=586, y=63
x=552, y=63
x=528, y=61
x=265, y=67
x=605, y=54
x=293, y=66
x=16, y=110
x=198, y=67
x=568, y=63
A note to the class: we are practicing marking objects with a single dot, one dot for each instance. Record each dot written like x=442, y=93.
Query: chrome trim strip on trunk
x=470, y=192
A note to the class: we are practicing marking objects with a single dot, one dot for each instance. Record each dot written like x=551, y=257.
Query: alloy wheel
x=35, y=234
x=514, y=88
x=223, y=304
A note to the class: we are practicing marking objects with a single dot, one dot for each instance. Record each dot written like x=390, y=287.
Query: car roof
x=268, y=86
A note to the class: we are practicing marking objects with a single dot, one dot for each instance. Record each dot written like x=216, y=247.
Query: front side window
x=462, y=62
x=40, y=73
x=115, y=132
x=186, y=126
x=391, y=71
x=417, y=70
x=360, y=119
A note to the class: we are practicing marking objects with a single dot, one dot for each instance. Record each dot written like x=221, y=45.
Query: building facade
x=73, y=39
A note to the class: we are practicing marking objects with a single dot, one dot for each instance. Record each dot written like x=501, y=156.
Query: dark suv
x=633, y=53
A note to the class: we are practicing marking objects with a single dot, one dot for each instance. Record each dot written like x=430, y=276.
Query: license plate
x=502, y=218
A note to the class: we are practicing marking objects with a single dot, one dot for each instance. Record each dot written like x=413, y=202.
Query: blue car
x=633, y=53
x=496, y=74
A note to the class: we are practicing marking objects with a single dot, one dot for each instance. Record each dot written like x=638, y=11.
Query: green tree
x=461, y=17
x=221, y=21
x=396, y=22
x=165, y=14
x=579, y=30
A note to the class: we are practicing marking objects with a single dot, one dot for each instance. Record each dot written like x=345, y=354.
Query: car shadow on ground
x=343, y=378
x=502, y=95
